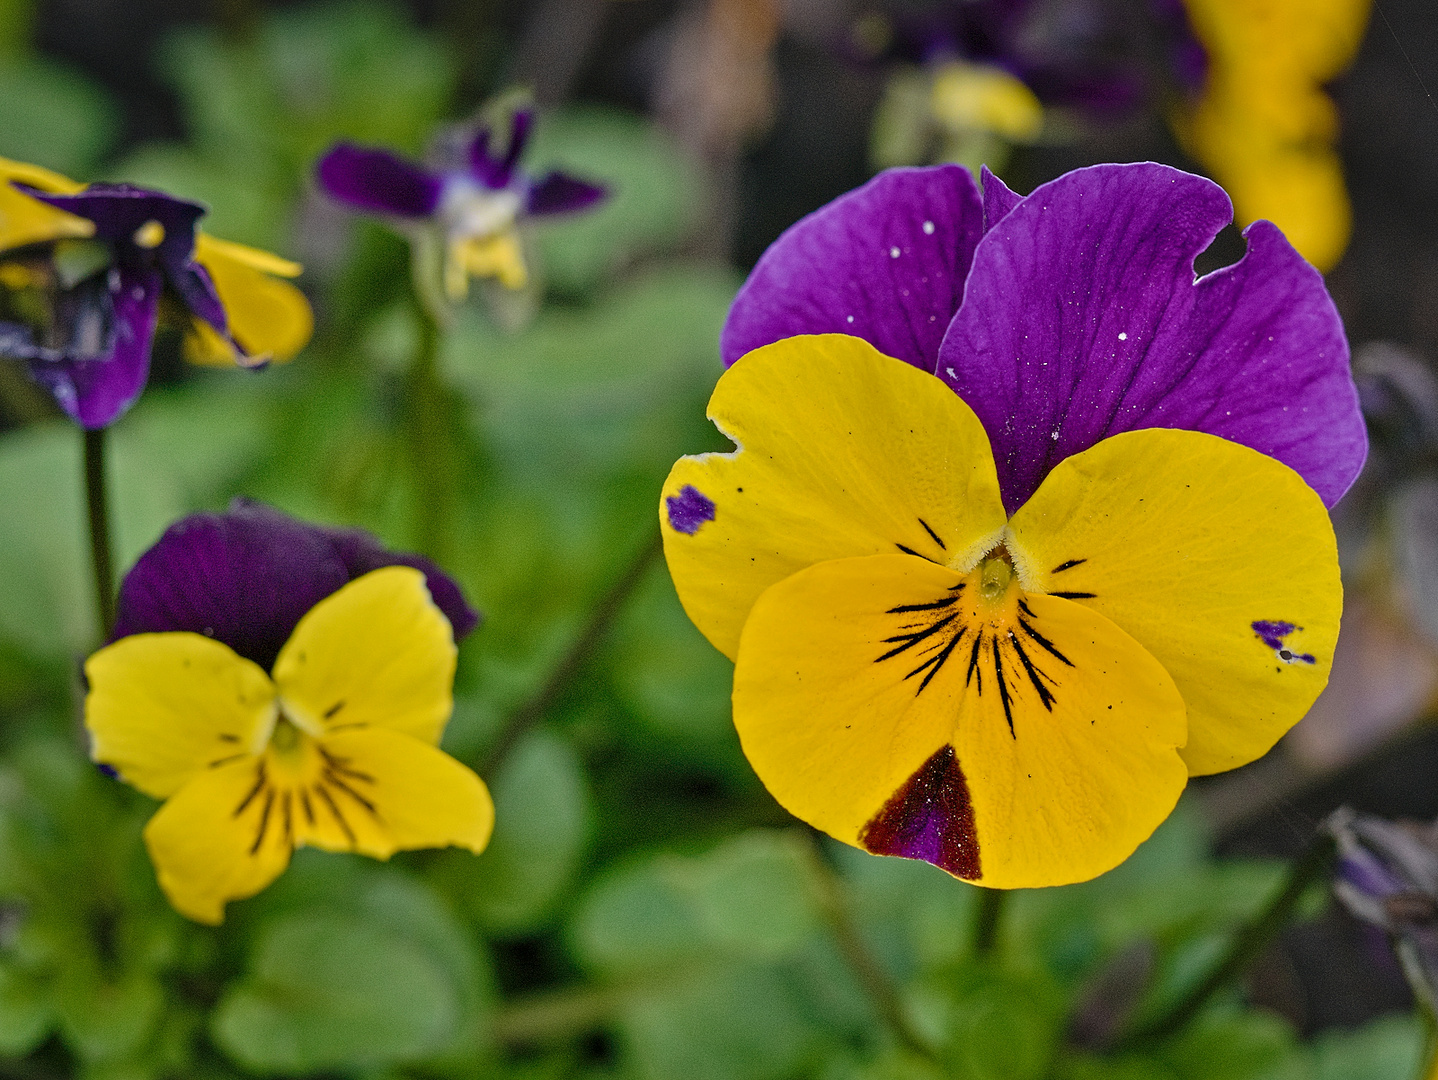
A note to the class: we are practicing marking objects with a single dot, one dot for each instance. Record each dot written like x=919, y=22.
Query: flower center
x=149, y=235
x=996, y=575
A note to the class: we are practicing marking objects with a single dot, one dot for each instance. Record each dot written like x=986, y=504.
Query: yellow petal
x=24, y=220
x=163, y=708
x=379, y=792
x=1186, y=541
x=978, y=97
x=217, y=839
x=378, y=653
x=843, y=451
x=872, y=714
x=269, y=318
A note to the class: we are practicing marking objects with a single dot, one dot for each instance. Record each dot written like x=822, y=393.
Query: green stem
x=97, y=504
x=987, y=919
x=833, y=899
x=556, y=1015
x=430, y=451
x=1313, y=864
x=609, y=606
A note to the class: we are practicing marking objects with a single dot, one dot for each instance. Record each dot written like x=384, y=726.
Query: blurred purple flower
x=476, y=204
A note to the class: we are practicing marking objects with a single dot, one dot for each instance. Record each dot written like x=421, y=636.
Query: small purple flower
x=1073, y=314
x=94, y=356
x=247, y=576
x=1387, y=876
x=1094, y=55
x=476, y=202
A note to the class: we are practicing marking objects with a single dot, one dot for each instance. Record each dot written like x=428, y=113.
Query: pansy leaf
x=334, y=992
x=1082, y=319
x=885, y=262
x=25, y=1012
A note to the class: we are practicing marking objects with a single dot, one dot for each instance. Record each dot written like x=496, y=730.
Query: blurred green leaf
x=994, y=1023
x=25, y=1013
x=1240, y=1046
x=334, y=991
x=104, y=1019
x=177, y=452
x=54, y=116
x=1390, y=1047
x=654, y=194
x=542, y=812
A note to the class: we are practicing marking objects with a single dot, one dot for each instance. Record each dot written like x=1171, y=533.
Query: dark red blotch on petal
x=930, y=818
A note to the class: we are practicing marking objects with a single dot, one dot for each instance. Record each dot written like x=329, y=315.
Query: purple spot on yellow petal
x=689, y=509
x=107, y=770
x=929, y=818
x=1272, y=633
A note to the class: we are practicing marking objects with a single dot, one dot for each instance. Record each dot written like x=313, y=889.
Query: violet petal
x=885, y=262
x=95, y=392
x=247, y=576
x=558, y=193
x=1082, y=319
x=195, y=287
x=378, y=181
x=118, y=211
x=998, y=199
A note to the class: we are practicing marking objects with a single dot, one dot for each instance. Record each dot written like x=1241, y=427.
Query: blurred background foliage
x=645, y=910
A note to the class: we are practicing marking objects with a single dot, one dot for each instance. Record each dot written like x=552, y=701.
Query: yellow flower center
x=149, y=235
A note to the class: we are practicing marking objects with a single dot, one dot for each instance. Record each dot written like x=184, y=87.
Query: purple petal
x=998, y=199
x=192, y=281
x=886, y=263
x=557, y=193
x=97, y=391
x=118, y=210
x=378, y=181
x=247, y=576
x=931, y=818
x=1082, y=319
x=360, y=552
x=496, y=172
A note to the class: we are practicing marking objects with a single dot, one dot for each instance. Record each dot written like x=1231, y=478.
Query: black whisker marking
x=935, y=535
x=305, y=802
x=259, y=786
x=1045, y=644
x=226, y=760
x=933, y=605
x=289, y=819
x=1003, y=687
x=1024, y=607
x=908, y=641
x=908, y=551
x=1068, y=565
x=959, y=587
x=352, y=793
x=335, y=810
x=225, y=736
x=1074, y=595
x=1035, y=675
x=264, y=821
x=336, y=707
x=941, y=659
x=974, y=663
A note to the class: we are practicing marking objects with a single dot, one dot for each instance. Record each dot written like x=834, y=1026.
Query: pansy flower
x=476, y=203
x=86, y=269
x=996, y=619
x=282, y=685
x=981, y=70
x=1264, y=126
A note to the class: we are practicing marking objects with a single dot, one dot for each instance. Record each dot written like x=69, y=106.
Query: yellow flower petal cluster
x=337, y=748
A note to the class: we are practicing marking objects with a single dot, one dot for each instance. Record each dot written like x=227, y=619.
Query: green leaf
x=335, y=991
x=25, y=1013
x=654, y=194
x=101, y=1019
x=1239, y=1046
x=751, y=897
x=542, y=812
x=1390, y=1047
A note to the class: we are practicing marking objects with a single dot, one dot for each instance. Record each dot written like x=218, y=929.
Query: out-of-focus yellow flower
x=981, y=97
x=1264, y=127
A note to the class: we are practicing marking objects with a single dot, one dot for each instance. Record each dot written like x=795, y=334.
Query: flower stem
x=1312, y=864
x=833, y=900
x=987, y=919
x=431, y=454
x=97, y=502
x=609, y=606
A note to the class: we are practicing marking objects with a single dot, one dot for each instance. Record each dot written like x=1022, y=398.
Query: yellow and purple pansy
x=86, y=267
x=282, y=685
x=1026, y=523
x=476, y=202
